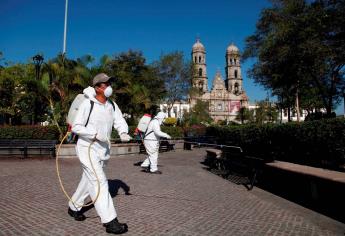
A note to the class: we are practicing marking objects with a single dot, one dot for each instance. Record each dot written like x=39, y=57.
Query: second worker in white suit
x=151, y=142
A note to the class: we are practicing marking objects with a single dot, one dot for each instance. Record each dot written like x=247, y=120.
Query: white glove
x=125, y=137
x=168, y=136
x=101, y=138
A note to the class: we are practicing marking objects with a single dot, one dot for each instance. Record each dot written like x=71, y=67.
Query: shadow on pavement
x=114, y=186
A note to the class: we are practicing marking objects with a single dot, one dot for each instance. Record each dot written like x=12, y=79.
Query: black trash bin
x=187, y=145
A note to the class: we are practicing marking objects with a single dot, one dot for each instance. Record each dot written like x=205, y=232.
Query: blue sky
x=113, y=26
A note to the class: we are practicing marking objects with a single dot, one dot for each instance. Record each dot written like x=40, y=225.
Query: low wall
x=319, y=194
x=68, y=150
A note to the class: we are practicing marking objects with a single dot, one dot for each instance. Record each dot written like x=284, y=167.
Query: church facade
x=227, y=95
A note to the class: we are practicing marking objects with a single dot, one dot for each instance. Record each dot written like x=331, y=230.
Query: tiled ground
x=184, y=200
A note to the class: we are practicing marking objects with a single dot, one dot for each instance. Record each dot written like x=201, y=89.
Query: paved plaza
x=185, y=200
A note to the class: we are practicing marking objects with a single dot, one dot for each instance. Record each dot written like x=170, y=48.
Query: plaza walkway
x=185, y=200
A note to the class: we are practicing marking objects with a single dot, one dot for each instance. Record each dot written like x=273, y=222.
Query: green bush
x=29, y=132
x=316, y=143
x=174, y=132
x=170, y=121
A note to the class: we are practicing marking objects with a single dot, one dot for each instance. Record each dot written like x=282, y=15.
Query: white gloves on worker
x=125, y=137
x=168, y=136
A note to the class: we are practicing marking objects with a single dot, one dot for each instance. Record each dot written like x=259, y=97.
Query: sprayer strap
x=112, y=103
x=145, y=134
x=148, y=133
x=91, y=103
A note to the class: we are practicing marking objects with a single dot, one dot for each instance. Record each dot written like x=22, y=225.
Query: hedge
x=29, y=132
x=174, y=132
x=316, y=143
x=52, y=133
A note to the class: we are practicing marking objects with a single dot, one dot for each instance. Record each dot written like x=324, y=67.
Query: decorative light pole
x=38, y=60
x=65, y=29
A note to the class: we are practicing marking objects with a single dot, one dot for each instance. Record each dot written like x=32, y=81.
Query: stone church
x=227, y=96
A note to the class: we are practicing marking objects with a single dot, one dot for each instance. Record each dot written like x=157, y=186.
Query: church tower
x=199, y=60
x=233, y=80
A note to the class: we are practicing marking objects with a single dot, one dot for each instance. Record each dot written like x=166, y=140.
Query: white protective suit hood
x=90, y=93
x=161, y=117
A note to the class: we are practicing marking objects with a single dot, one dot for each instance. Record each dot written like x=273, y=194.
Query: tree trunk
x=330, y=98
x=297, y=106
x=56, y=123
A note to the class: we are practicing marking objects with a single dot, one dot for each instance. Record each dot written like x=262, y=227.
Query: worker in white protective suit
x=96, y=127
x=151, y=143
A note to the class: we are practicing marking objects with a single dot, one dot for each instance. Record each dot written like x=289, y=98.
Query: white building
x=178, y=109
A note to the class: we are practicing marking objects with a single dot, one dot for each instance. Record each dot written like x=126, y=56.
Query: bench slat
x=28, y=144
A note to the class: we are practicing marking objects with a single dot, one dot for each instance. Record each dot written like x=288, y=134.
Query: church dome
x=232, y=49
x=198, y=46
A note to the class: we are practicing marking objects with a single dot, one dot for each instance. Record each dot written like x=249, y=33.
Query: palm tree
x=62, y=80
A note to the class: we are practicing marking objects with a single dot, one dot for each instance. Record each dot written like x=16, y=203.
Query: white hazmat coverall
x=151, y=141
x=102, y=119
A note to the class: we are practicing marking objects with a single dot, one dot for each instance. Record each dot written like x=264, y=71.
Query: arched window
x=195, y=59
x=199, y=59
x=200, y=72
x=235, y=73
x=236, y=89
x=235, y=61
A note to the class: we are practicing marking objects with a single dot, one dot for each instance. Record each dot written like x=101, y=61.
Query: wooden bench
x=164, y=146
x=231, y=161
x=197, y=141
x=24, y=147
x=212, y=157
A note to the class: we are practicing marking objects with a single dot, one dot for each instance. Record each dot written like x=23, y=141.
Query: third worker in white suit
x=151, y=142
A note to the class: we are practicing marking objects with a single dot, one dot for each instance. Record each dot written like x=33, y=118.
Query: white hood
x=90, y=93
x=161, y=117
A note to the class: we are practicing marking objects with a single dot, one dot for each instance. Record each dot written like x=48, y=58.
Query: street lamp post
x=65, y=30
x=38, y=60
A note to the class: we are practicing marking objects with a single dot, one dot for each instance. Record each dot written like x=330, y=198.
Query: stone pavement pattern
x=185, y=200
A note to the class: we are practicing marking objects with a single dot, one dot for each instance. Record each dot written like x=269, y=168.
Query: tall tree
x=198, y=114
x=137, y=87
x=176, y=73
x=265, y=112
x=62, y=80
x=245, y=115
x=296, y=45
x=20, y=95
